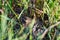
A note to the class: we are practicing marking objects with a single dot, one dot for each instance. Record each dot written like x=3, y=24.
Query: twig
x=50, y=27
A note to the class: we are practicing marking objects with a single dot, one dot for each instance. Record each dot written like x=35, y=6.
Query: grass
x=51, y=8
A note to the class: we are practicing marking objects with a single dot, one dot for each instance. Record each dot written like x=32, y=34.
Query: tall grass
x=52, y=8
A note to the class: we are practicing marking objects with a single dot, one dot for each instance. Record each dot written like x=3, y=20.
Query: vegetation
x=29, y=20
